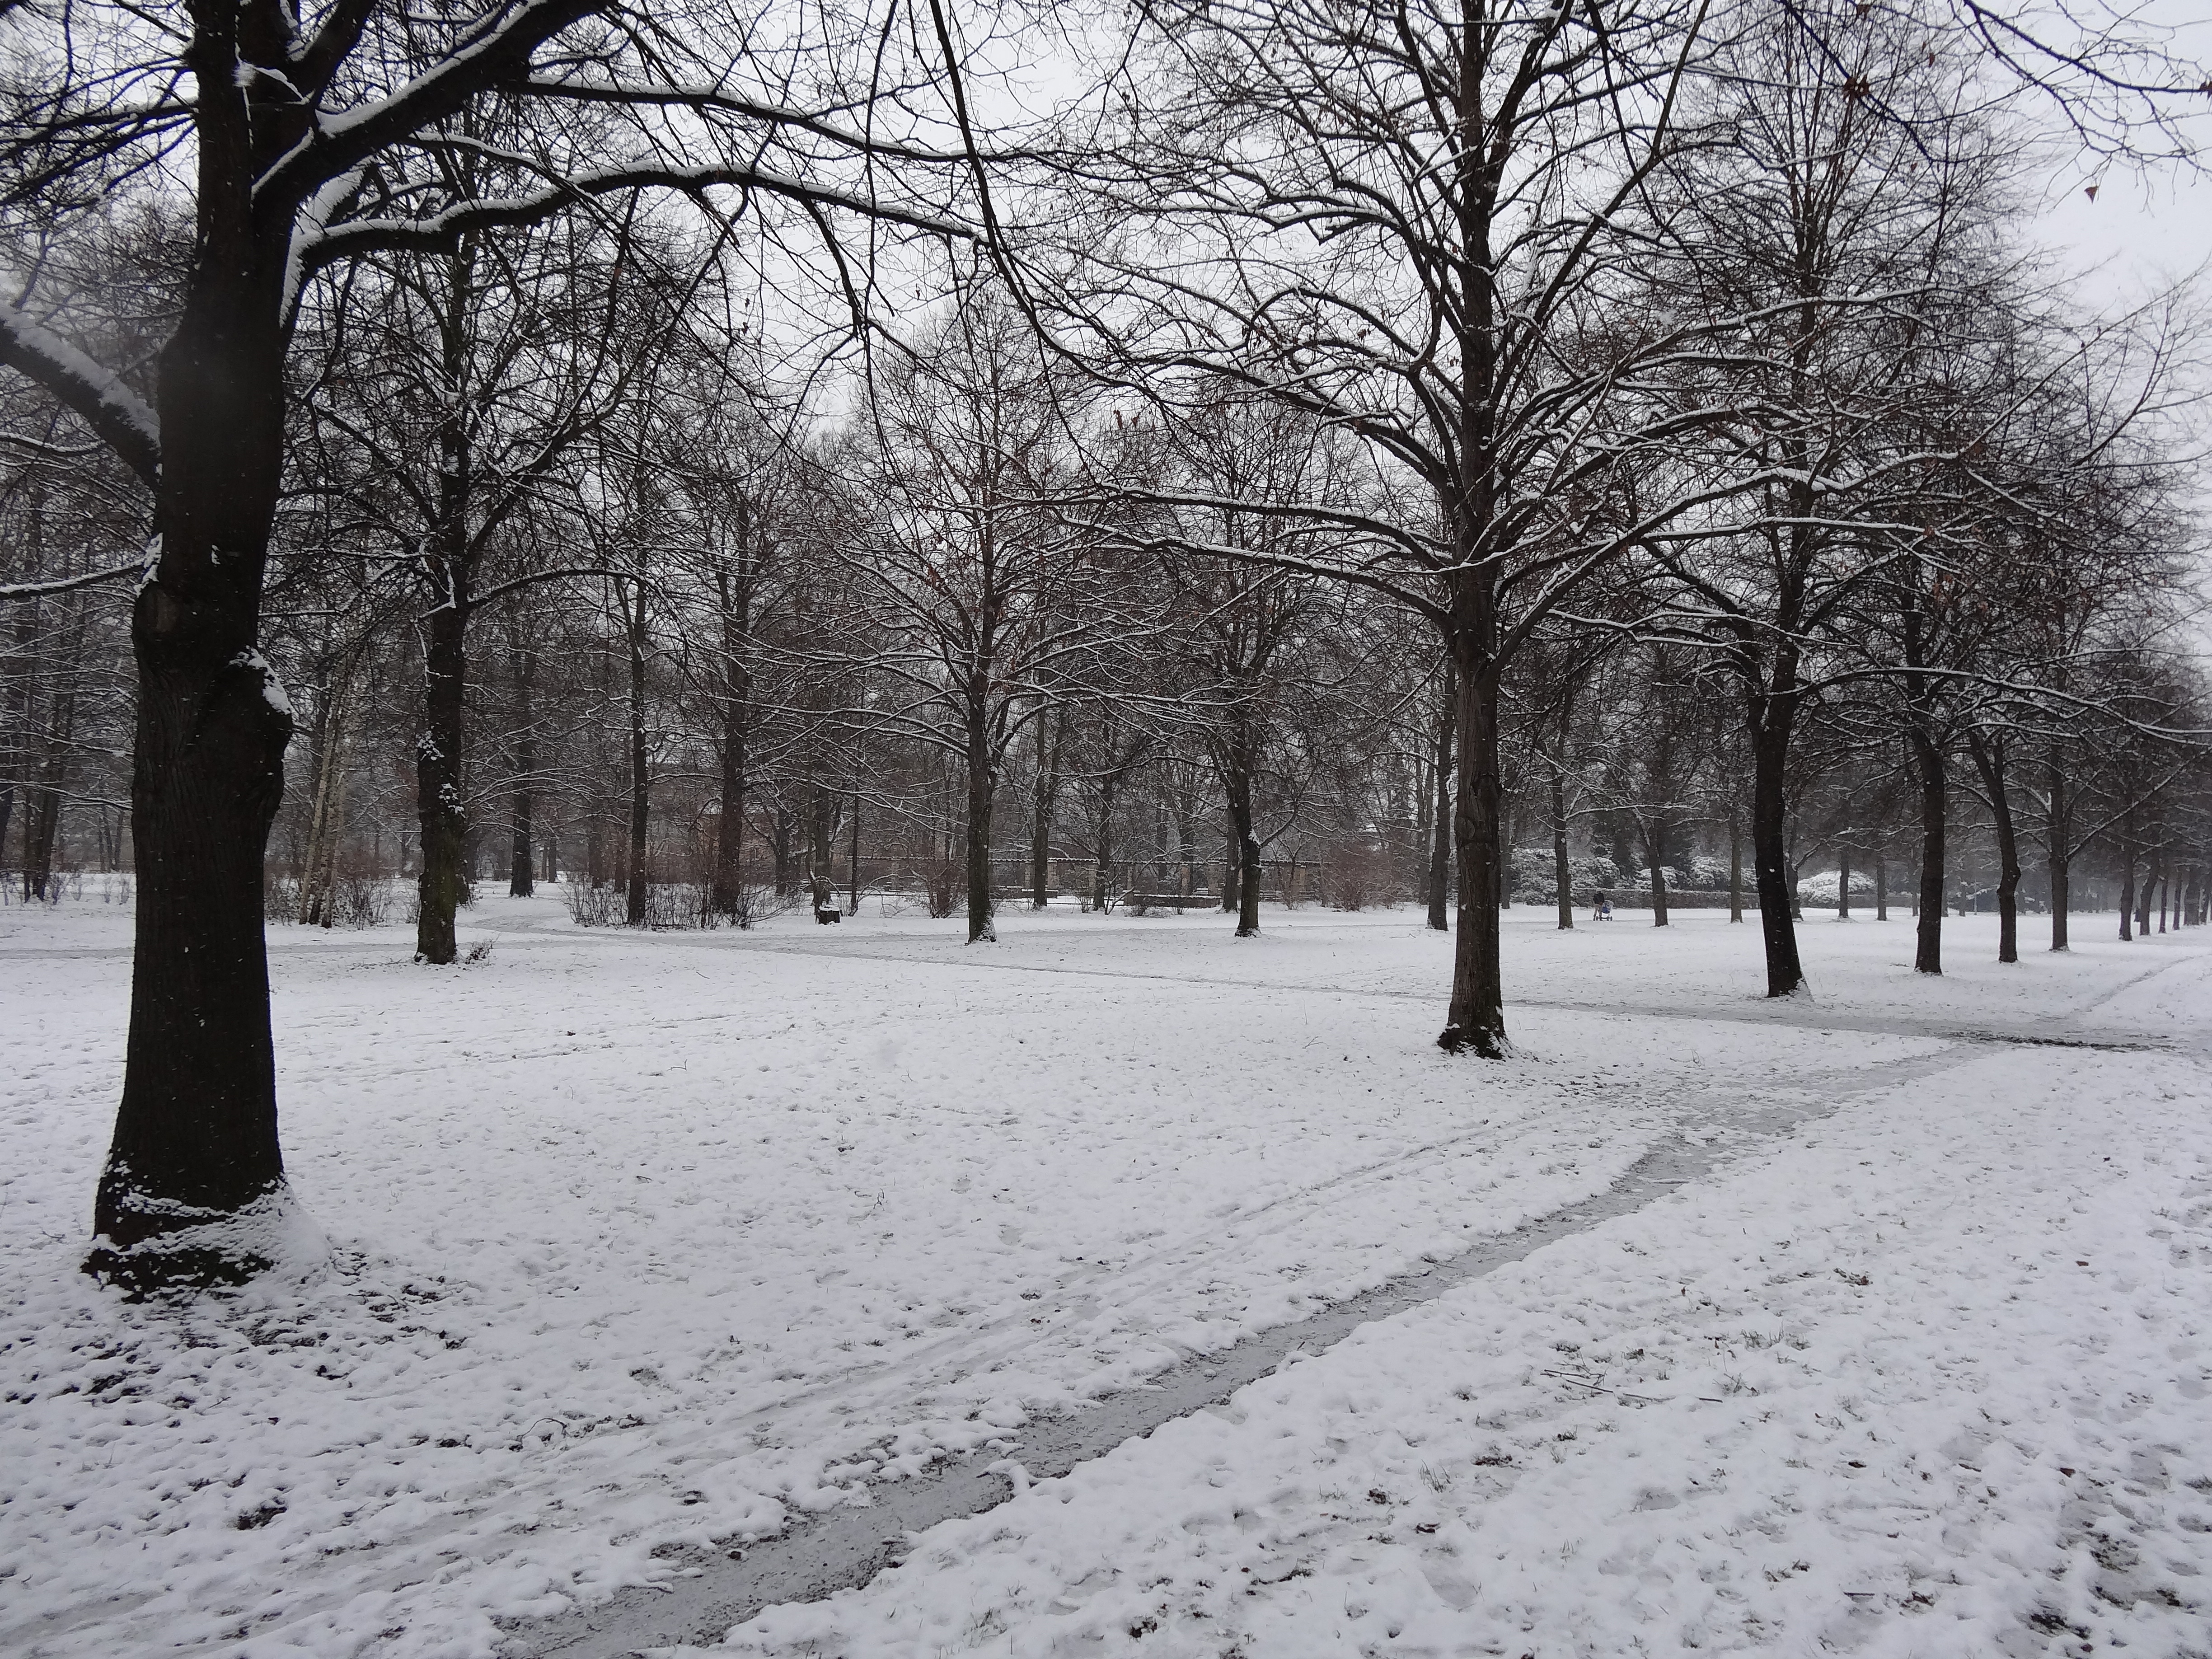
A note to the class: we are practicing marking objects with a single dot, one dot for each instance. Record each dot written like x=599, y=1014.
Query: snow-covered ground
x=643, y=1242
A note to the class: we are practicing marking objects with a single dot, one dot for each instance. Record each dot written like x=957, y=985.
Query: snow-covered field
x=646, y=1242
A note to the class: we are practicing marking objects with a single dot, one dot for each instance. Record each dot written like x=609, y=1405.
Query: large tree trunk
x=522, y=857
x=1440, y=821
x=440, y=785
x=196, y=1132
x=1232, y=871
x=1989, y=760
x=449, y=843
x=1476, y=1020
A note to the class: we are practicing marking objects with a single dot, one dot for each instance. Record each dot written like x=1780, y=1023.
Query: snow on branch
x=109, y=408
x=69, y=584
x=439, y=230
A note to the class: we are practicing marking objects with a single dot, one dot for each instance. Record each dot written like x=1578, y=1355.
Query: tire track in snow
x=847, y=1547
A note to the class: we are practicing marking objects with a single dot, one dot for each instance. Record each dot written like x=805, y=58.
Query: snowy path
x=650, y=1245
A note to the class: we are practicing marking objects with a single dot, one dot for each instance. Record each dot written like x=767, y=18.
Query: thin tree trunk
x=1051, y=736
x=1927, y=764
x=1769, y=844
x=2056, y=830
x=1440, y=816
x=1928, y=945
x=2128, y=877
x=439, y=783
x=1880, y=883
x=1102, y=869
x=327, y=812
x=1239, y=758
x=736, y=592
x=1243, y=878
x=43, y=802
x=1735, y=863
x=522, y=860
x=821, y=844
x=982, y=779
x=1989, y=760
x=852, y=854
x=1844, y=883
x=640, y=801
x=1657, y=847
x=1563, y=874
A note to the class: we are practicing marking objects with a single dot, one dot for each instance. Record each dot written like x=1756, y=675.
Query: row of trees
x=1339, y=408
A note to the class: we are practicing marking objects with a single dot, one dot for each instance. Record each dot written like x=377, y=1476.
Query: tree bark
x=1990, y=762
x=1476, y=1020
x=194, y=1135
x=1440, y=817
x=1929, y=767
x=1928, y=941
x=1051, y=735
x=440, y=807
x=1735, y=863
x=821, y=850
x=522, y=860
x=641, y=799
x=1842, y=883
x=1563, y=874
x=853, y=866
x=2127, y=877
x=734, y=588
x=1102, y=869
x=1243, y=839
x=1770, y=725
x=327, y=812
x=982, y=784
x=2057, y=829
x=49, y=783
